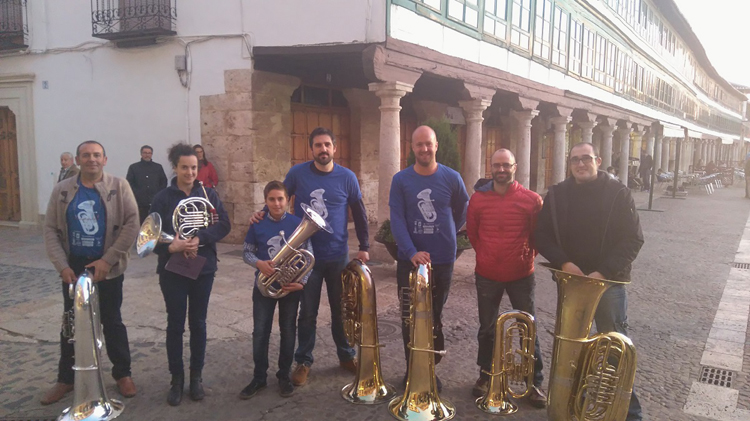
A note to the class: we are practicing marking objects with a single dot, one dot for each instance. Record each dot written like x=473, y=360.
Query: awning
x=670, y=130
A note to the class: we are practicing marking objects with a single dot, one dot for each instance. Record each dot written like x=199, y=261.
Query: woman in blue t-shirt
x=262, y=243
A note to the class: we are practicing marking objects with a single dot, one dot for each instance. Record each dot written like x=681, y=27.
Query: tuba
x=420, y=400
x=360, y=317
x=591, y=378
x=510, y=365
x=292, y=264
x=90, y=401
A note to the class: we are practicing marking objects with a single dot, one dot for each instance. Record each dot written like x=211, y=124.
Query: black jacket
x=164, y=204
x=622, y=236
x=146, y=178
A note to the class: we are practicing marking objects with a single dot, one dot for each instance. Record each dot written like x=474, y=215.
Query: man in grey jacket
x=91, y=222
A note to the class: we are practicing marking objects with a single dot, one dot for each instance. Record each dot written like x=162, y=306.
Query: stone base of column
x=379, y=254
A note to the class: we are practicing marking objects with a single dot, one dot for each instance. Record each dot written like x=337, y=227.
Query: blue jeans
x=263, y=309
x=178, y=292
x=489, y=295
x=441, y=286
x=612, y=316
x=308, y=314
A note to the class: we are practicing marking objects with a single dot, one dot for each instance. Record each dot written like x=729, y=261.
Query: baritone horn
x=291, y=263
x=421, y=401
x=360, y=317
x=190, y=215
x=591, y=378
x=90, y=401
x=512, y=363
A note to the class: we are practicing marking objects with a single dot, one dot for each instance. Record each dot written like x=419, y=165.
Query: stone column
x=560, y=126
x=389, y=155
x=649, y=137
x=470, y=170
x=671, y=154
x=523, y=152
x=665, y=141
x=607, y=131
x=587, y=130
x=657, y=149
x=624, y=136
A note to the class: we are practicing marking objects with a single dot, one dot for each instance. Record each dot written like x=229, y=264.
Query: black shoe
x=196, y=385
x=250, y=390
x=175, y=392
x=286, y=388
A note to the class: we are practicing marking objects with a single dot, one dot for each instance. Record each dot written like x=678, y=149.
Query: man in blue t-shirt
x=330, y=190
x=428, y=205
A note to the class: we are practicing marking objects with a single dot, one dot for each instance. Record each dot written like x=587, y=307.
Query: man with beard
x=428, y=206
x=329, y=189
x=500, y=221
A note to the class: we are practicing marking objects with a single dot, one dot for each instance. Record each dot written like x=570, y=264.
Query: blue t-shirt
x=265, y=235
x=426, y=212
x=87, y=223
x=329, y=194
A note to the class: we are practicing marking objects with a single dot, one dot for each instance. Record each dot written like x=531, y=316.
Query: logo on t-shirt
x=425, y=205
x=274, y=245
x=318, y=203
x=87, y=218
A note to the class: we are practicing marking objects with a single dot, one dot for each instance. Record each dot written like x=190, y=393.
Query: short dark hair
x=146, y=147
x=320, y=131
x=90, y=142
x=274, y=185
x=178, y=150
x=593, y=147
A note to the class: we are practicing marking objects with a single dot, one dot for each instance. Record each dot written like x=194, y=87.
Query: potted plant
x=447, y=154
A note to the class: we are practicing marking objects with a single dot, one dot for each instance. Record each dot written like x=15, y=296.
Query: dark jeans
x=263, y=309
x=612, y=316
x=489, y=295
x=441, y=285
x=183, y=295
x=115, y=332
x=308, y=313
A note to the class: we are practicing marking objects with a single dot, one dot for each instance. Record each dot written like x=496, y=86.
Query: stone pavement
x=678, y=280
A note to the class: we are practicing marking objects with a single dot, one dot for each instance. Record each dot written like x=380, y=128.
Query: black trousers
x=115, y=332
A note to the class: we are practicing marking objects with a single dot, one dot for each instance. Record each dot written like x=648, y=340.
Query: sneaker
x=350, y=366
x=480, y=387
x=252, y=389
x=299, y=376
x=286, y=388
x=537, y=398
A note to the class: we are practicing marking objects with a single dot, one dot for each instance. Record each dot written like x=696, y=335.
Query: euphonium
x=420, y=401
x=292, y=264
x=510, y=364
x=90, y=401
x=360, y=316
x=591, y=378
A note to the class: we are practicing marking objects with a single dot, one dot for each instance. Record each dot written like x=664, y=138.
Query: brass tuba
x=90, y=401
x=510, y=364
x=360, y=316
x=292, y=264
x=420, y=400
x=591, y=378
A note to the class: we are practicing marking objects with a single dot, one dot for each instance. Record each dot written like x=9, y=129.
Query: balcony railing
x=13, y=26
x=133, y=22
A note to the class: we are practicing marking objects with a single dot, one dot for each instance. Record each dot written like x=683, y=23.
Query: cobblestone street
x=678, y=280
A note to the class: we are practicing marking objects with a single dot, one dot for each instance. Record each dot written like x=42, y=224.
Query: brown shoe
x=480, y=388
x=537, y=398
x=350, y=366
x=58, y=391
x=299, y=376
x=126, y=387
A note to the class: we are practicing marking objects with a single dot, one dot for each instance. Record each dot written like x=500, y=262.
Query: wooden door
x=408, y=125
x=10, y=193
x=493, y=139
x=305, y=118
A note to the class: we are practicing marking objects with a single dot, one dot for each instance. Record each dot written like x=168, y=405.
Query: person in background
x=206, y=171
x=146, y=178
x=68, y=167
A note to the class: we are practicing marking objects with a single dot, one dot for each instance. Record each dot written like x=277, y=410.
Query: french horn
x=189, y=216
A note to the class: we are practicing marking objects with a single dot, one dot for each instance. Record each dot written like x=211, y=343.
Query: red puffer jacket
x=500, y=228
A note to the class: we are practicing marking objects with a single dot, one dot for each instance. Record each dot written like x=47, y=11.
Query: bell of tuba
x=420, y=400
x=190, y=215
x=360, y=317
x=591, y=378
x=292, y=264
x=510, y=365
x=90, y=401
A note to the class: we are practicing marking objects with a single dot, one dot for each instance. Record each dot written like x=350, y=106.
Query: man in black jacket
x=146, y=178
x=588, y=226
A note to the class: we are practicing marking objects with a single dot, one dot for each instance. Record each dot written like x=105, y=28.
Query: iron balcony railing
x=13, y=25
x=133, y=20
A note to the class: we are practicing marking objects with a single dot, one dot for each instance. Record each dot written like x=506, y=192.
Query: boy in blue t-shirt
x=262, y=243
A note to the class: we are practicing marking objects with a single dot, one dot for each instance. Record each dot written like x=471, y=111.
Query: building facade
x=250, y=80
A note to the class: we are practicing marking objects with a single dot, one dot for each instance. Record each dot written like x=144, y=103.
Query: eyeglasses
x=505, y=166
x=586, y=159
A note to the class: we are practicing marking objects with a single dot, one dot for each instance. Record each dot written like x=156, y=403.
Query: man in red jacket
x=501, y=218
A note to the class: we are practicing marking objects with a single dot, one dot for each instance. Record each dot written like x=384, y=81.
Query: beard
x=323, y=159
x=425, y=159
x=502, y=177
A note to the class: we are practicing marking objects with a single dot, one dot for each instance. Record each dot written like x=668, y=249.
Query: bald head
x=503, y=164
x=504, y=153
x=424, y=145
x=423, y=132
